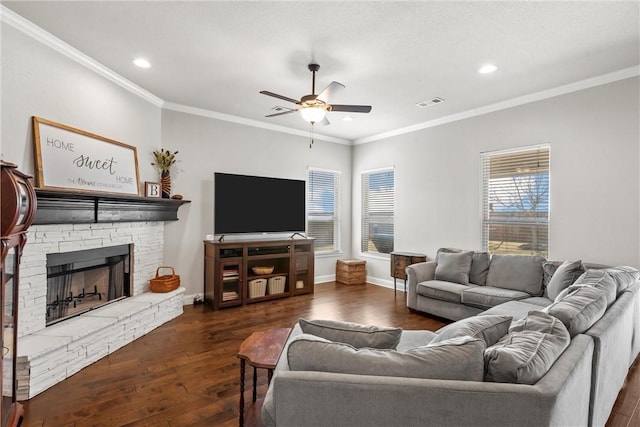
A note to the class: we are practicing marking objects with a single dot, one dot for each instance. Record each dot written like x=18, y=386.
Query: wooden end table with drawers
x=399, y=262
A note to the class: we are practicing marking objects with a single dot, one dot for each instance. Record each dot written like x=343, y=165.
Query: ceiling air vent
x=430, y=103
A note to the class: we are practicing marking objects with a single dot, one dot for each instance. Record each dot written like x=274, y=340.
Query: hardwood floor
x=186, y=372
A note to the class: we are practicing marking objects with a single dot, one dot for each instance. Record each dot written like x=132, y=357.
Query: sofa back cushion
x=580, y=308
x=479, y=265
x=563, y=277
x=455, y=359
x=528, y=351
x=598, y=279
x=489, y=328
x=354, y=334
x=454, y=267
x=518, y=272
x=624, y=276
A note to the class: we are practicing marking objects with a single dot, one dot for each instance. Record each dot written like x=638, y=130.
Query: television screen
x=255, y=204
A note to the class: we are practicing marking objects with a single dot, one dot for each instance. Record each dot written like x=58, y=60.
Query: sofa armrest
x=327, y=399
x=417, y=273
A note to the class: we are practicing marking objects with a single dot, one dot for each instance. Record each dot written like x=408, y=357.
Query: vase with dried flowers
x=165, y=159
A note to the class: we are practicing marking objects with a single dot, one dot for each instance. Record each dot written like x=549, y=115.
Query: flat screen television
x=257, y=204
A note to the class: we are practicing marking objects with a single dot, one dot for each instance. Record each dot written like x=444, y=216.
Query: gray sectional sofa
x=578, y=334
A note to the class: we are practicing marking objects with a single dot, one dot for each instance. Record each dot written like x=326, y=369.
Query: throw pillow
x=479, y=268
x=454, y=267
x=479, y=265
x=580, y=308
x=564, y=276
x=354, y=334
x=517, y=272
x=455, y=359
x=489, y=328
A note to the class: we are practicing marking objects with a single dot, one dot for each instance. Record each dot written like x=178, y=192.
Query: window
x=515, y=201
x=377, y=211
x=323, y=209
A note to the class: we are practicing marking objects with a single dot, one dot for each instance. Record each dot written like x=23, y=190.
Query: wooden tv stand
x=228, y=270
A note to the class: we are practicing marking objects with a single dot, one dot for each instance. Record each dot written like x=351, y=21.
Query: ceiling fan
x=313, y=108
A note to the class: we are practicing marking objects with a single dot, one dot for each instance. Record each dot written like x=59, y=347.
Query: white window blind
x=323, y=209
x=378, y=204
x=515, y=202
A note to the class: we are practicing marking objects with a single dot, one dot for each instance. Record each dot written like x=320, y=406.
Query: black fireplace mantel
x=68, y=207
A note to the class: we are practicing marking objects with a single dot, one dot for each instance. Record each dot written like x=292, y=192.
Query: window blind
x=515, y=201
x=323, y=209
x=378, y=204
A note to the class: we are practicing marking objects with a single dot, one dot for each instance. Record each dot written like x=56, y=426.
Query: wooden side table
x=261, y=350
x=399, y=262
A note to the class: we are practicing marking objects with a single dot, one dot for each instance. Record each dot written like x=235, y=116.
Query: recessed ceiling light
x=347, y=118
x=142, y=63
x=487, y=69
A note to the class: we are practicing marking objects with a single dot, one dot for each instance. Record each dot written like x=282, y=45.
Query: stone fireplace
x=49, y=349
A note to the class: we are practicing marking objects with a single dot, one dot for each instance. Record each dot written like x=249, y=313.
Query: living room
x=589, y=118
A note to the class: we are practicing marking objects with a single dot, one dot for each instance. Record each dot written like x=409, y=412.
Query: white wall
x=37, y=81
x=595, y=182
x=208, y=145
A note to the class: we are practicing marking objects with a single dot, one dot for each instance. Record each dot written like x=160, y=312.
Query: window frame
x=486, y=202
x=337, y=214
x=365, y=219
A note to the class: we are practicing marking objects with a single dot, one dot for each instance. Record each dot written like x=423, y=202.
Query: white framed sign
x=72, y=159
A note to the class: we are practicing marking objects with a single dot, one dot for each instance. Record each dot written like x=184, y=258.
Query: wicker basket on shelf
x=275, y=285
x=165, y=283
x=257, y=288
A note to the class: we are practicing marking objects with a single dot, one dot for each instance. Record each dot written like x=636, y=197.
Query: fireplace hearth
x=80, y=281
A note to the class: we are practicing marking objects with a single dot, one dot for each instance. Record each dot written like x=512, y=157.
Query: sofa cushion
x=454, y=267
x=527, y=353
x=539, y=321
x=487, y=328
x=599, y=279
x=563, y=277
x=444, y=291
x=489, y=296
x=580, y=308
x=479, y=265
x=515, y=309
x=539, y=301
x=354, y=334
x=624, y=276
x=517, y=272
x=454, y=359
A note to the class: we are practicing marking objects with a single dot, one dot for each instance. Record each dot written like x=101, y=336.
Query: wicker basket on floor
x=165, y=283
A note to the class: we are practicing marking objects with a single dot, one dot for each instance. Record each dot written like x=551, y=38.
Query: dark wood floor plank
x=186, y=373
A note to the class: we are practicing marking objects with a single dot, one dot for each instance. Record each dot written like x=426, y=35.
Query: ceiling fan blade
x=329, y=91
x=275, y=95
x=351, y=108
x=321, y=123
x=282, y=113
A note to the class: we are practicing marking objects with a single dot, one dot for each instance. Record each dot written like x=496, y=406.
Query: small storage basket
x=257, y=288
x=165, y=283
x=276, y=284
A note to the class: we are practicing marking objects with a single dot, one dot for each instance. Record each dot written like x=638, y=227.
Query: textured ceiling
x=218, y=55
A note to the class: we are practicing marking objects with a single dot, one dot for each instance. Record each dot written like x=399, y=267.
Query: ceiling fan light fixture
x=313, y=114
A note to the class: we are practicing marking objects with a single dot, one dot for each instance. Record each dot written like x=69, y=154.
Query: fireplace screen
x=80, y=281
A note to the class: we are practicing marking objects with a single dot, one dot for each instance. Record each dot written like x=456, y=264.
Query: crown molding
x=11, y=18
x=248, y=122
x=526, y=99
